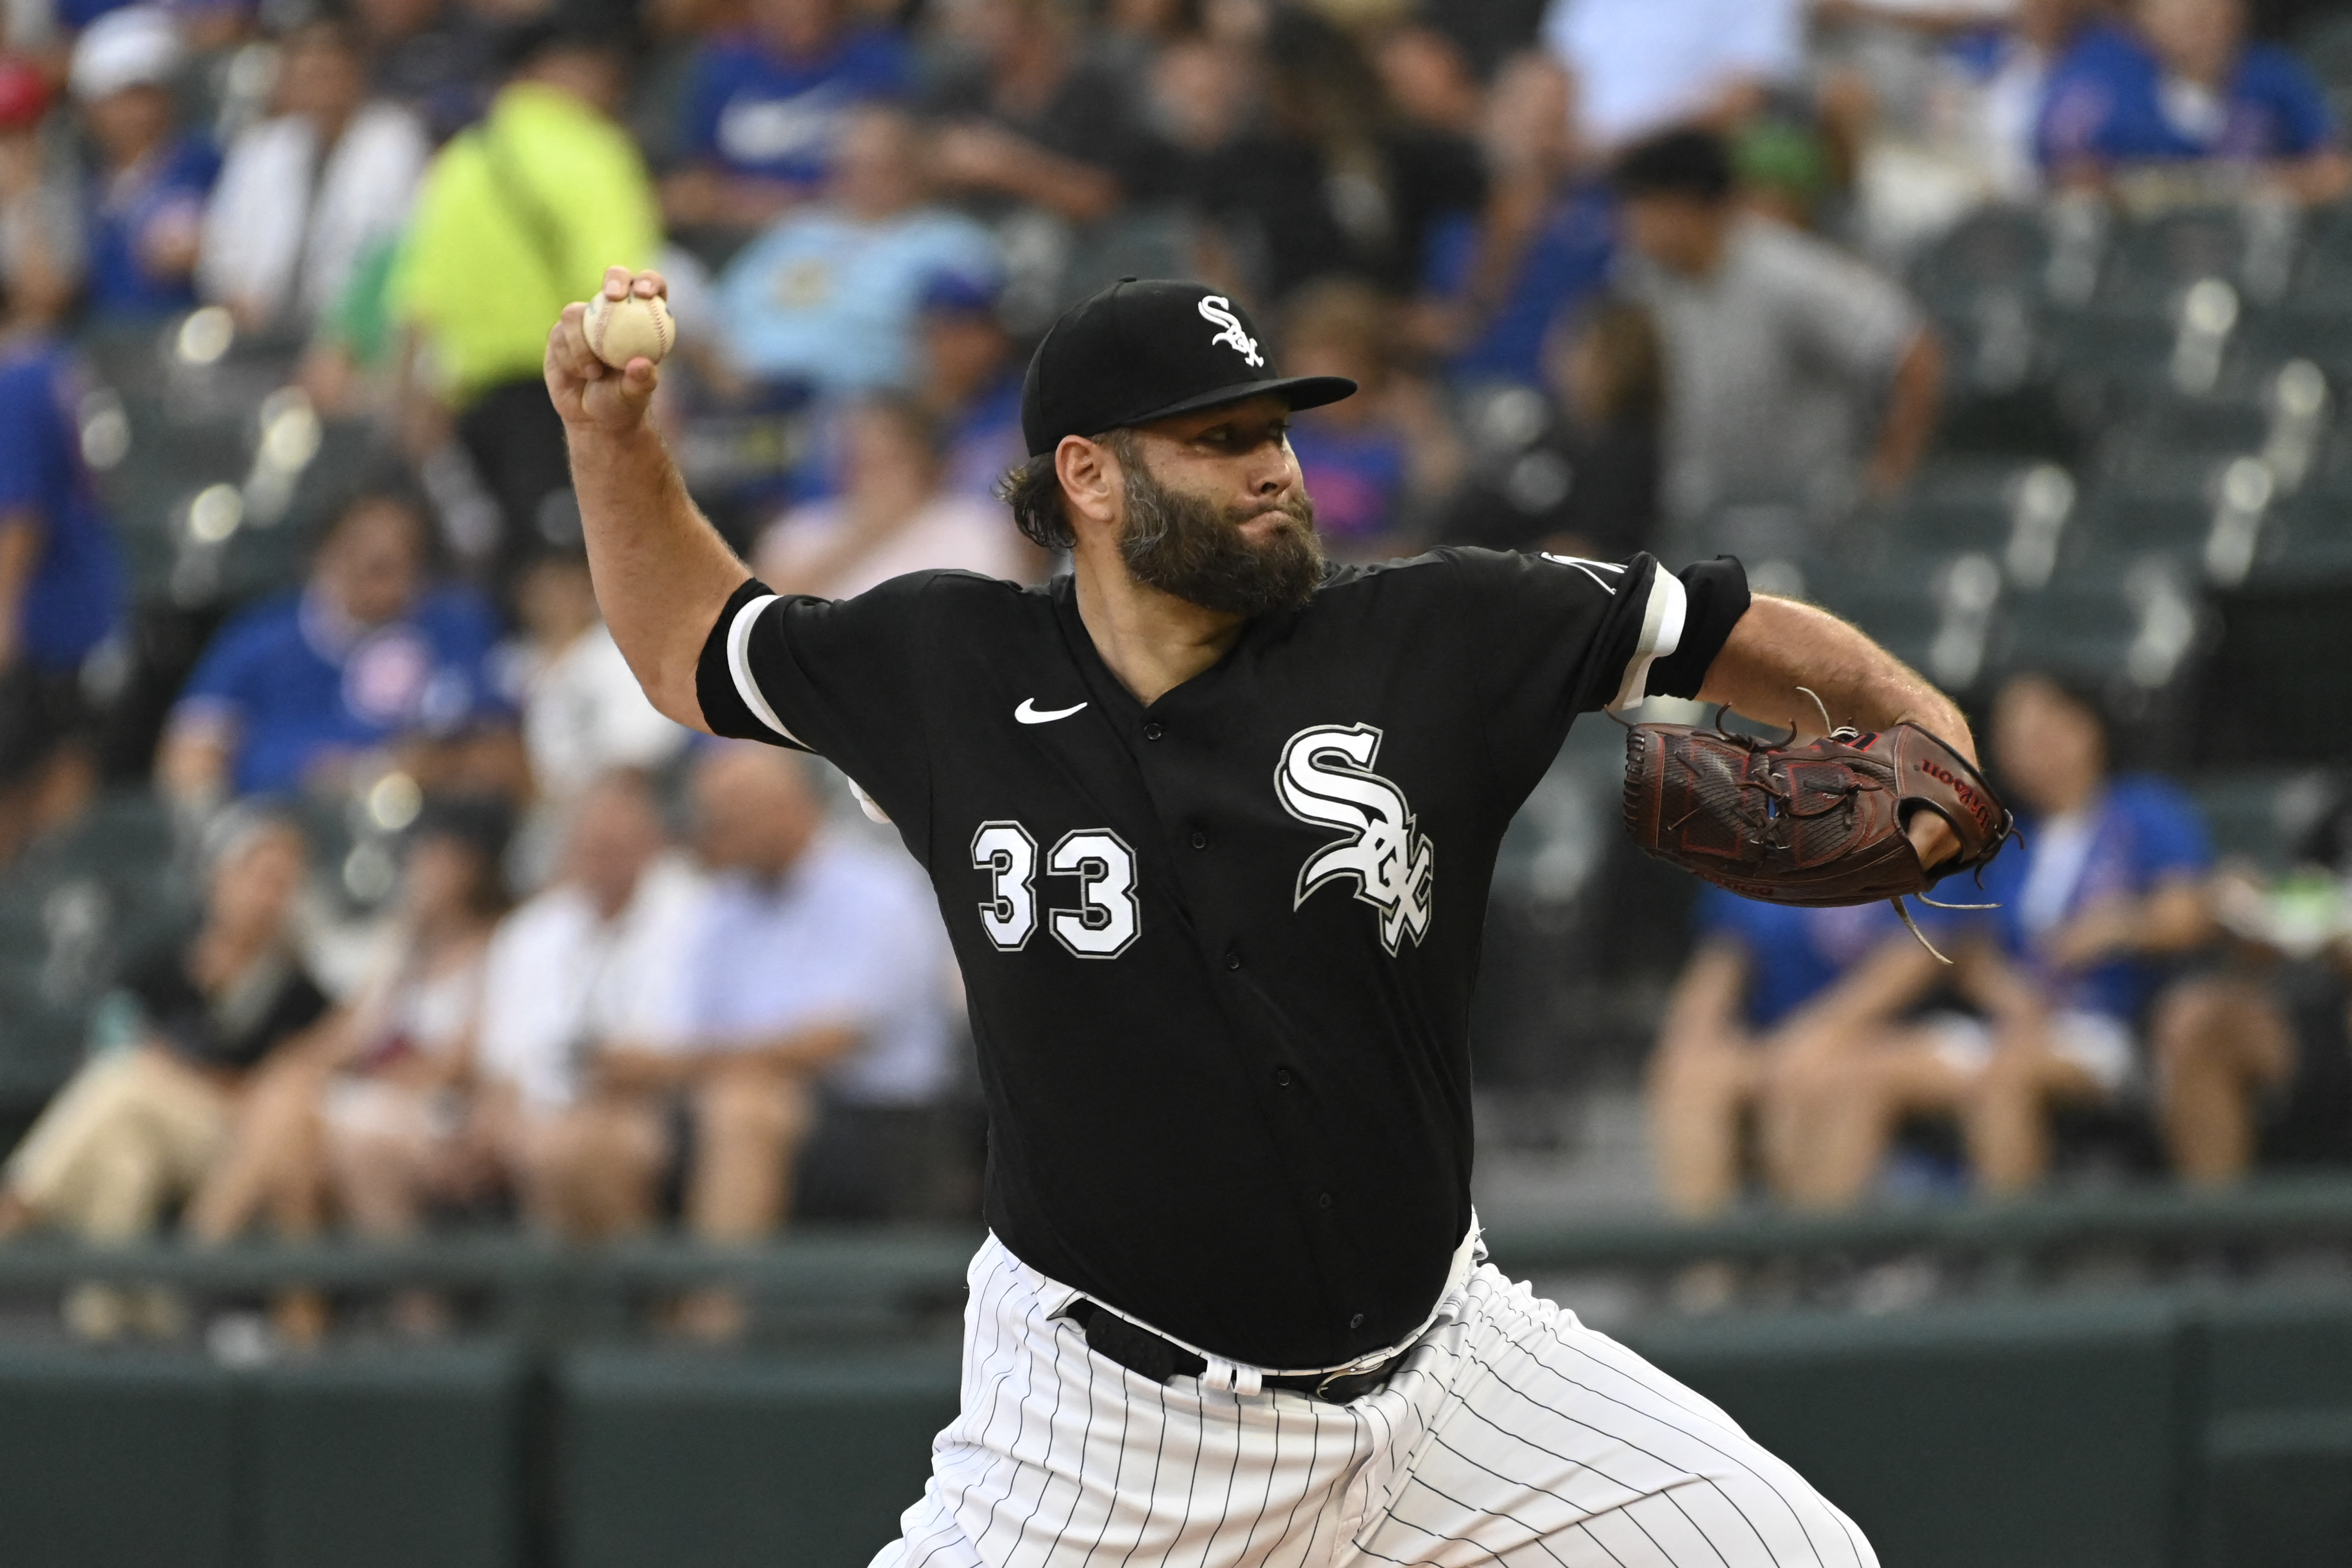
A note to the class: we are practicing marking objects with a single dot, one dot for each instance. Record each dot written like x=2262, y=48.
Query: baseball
x=628, y=328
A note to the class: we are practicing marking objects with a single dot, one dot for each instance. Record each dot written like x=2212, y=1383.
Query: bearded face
x=1192, y=548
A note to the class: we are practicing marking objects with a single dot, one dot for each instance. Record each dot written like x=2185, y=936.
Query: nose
x=1274, y=471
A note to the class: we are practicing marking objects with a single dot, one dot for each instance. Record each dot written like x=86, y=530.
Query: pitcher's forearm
x=1780, y=646
x=662, y=573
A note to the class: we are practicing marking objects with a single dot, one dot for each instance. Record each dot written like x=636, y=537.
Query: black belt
x=1147, y=1355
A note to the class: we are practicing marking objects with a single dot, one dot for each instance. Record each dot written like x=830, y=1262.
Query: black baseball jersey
x=1220, y=949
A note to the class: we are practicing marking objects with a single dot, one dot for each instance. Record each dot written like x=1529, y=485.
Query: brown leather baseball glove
x=1818, y=824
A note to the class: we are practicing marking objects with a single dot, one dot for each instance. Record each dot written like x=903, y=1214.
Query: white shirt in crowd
x=561, y=982
x=848, y=936
x=583, y=714
x=952, y=532
x=2007, y=118
x=1643, y=65
x=282, y=235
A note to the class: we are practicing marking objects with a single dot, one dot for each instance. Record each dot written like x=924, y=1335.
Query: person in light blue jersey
x=829, y=298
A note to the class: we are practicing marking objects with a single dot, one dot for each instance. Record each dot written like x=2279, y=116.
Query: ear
x=1093, y=484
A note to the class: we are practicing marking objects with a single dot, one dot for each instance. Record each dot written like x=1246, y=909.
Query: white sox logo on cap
x=1218, y=310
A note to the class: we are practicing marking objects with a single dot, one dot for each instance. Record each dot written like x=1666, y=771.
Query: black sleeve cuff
x=723, y=707
x=1716, y=596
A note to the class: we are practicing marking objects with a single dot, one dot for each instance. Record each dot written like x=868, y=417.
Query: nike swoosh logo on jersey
x=1027, y=712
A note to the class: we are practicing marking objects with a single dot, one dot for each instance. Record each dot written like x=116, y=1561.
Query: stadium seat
x=2019, y=512
x=2241, y=807
x=2278, y=674
x=2153, y=262
x=72, y=908
x=2128, y=621
x=2135, y=357
x=2322, y=335
x=2310, y=541
x=1995, y=250
x=2322, y=275
x=2168, y=424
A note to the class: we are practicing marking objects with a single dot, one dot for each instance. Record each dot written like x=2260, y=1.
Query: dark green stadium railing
x=865, y=1282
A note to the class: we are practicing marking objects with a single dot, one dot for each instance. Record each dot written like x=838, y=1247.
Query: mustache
x=1297, y=508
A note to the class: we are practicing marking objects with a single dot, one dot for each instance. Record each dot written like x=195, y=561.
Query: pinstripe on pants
x=1512, y=1435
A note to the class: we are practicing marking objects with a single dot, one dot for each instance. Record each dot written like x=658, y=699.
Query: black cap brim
x=1298, y=391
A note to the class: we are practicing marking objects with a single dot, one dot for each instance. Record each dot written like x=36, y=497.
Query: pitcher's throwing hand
x=587, y=391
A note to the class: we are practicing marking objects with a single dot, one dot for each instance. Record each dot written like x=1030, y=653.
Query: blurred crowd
x=1607, y=271
x=2108, y=975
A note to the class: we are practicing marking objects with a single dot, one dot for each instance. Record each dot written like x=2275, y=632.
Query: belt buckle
x=1323, y=1388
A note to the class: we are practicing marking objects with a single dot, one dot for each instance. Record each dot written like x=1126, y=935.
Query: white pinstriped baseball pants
x=1511, y=1435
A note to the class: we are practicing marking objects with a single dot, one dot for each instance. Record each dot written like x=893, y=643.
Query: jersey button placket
x=1200, y=839
x=1154, y=731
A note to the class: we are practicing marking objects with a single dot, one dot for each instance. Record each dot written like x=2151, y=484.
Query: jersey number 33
x=1324, y=776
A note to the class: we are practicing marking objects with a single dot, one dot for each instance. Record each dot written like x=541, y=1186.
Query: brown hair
x=1032, y=488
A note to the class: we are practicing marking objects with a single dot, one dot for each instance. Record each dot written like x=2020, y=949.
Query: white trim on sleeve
x=739, y=641
x=1662, y=633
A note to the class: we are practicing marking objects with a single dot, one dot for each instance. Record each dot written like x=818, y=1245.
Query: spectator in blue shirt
x=2001, y=75
x=367, y=656
x=1782, y=1013
x=2061, y=979
x=829, y=298
x=764, y=110
x=2113, y=888
x=2109, y=886
x=1547, y=241
x=147, y=199
x=61, y=584
x=2184, y=89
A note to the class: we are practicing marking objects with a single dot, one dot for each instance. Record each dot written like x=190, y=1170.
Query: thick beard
x=1195, y=550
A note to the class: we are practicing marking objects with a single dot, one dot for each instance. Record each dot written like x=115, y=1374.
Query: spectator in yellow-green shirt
x=517, y=217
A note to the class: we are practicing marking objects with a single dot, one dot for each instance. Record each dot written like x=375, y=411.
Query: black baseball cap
x=1145, y=348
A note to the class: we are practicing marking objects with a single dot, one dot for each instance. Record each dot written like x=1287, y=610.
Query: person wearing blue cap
x=971, y=382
